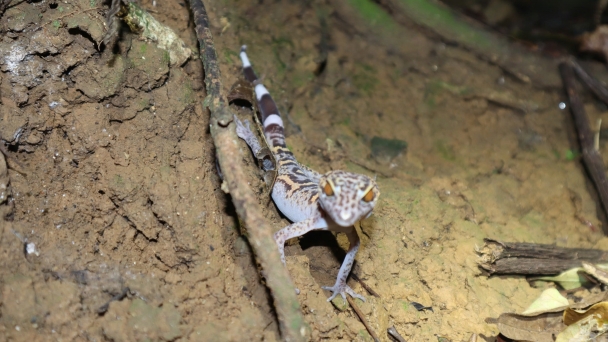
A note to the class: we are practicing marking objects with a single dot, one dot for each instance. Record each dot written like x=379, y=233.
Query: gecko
x=333, y=201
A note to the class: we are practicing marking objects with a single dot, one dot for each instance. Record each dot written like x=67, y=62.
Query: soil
x=116, y=227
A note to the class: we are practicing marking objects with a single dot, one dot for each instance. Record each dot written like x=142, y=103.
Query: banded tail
x=271, y=118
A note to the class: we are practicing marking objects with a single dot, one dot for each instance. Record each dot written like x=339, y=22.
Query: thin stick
x=591, y=157
x=291, y=321
x=362, y=318
x=395, y=334
x=596, y=136
x=364, y=285
x=594, y=85
x=71, y=13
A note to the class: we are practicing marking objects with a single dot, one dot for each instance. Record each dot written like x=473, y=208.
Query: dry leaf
x=600, y=310
x=596, y=41
x=548, y=325
x=585, y=326
x=597, y=271
x=541, y=328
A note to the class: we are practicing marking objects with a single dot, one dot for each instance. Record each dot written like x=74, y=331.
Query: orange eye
x=369, y=196
x=328, y=190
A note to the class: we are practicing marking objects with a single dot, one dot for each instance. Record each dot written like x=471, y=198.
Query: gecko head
x=347, y=197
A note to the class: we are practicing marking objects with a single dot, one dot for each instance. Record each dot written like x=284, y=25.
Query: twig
x=362, y=318
x=13, y=160
x=594, y=85
x=291, y=321
x=118, y=297
x=364, y=285
x=111, y=23
x=71, y=13
x=395, y=334
x=591, y=157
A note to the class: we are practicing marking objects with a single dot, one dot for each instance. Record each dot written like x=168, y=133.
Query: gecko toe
x=353, y=293
x=342, y=290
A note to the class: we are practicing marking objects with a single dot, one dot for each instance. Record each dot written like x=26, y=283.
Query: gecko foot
x=242, y=128
x=342, y=289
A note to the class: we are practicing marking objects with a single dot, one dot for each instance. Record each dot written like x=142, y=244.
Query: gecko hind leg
x=294, y=230
x=243, y=130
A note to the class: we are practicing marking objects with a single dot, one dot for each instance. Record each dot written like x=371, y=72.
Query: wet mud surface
x=116, y=227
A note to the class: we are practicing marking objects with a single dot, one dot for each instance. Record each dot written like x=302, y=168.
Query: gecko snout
x=345, y=215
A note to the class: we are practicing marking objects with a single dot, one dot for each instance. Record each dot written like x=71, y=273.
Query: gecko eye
x=328, y=190
x=369, y=196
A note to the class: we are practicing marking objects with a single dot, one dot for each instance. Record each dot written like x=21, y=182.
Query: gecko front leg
x=303, y=227
x=341, y=287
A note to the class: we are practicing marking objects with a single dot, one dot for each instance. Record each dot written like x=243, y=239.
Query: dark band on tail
x=247, y=69
x=271, y=118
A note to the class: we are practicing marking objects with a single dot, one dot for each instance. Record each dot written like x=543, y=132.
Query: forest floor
x=113, y=177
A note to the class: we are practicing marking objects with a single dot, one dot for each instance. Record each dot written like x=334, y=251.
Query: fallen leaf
x=546, y=326
x=596, y=41
x=599, y=310
x=421, y=307
x=585, y=326
x=541, y=328
x=596, y=271
x=550, y=299
x=589, y=300
x=568, y=280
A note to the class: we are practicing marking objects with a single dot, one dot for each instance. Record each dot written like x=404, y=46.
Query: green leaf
x=568, y=280
x=548, y=300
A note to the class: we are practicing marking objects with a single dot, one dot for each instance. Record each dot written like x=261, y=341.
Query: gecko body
x=332, y=201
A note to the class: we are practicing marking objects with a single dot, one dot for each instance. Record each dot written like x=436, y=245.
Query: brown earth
x=113, y=178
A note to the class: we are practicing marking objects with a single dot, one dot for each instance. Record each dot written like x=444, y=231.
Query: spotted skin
x=332, y=201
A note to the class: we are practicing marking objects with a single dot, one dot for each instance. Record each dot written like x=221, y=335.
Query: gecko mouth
x=345, y=215
x=345, y=219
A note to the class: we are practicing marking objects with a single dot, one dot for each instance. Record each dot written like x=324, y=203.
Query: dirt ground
x=116, y=227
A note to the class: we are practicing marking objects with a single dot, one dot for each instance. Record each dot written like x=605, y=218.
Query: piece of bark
x=530, y=266
x=529, y=258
